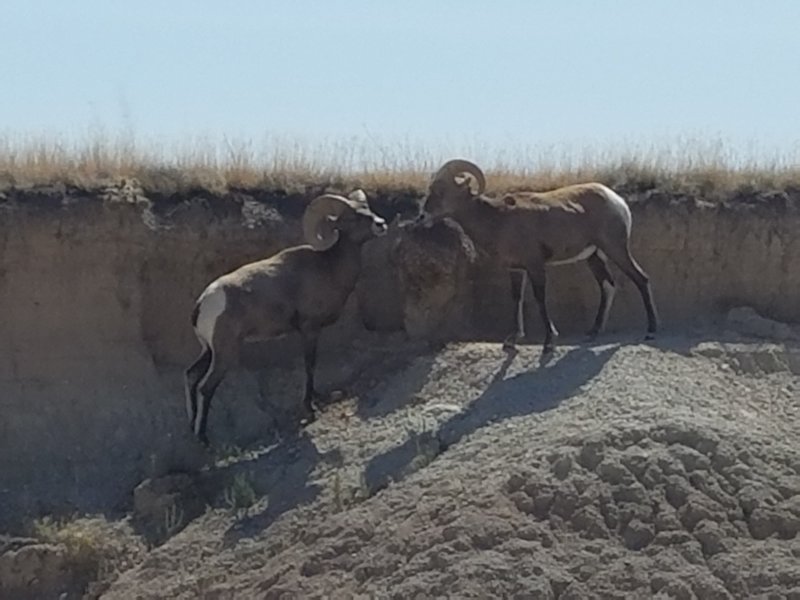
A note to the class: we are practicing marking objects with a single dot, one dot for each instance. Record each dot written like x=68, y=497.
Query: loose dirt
x=614, y=470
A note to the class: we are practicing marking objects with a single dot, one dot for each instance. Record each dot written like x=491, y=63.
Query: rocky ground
x=614, y=470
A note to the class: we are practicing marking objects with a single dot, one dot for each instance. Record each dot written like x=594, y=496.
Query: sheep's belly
x=254, y=339
x=582, y=255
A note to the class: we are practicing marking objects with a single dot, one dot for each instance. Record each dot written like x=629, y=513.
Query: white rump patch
x=616, y=200
x=582, y=255
x=212, y=304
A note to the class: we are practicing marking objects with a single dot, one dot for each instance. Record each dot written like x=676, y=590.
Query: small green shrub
x=240, y=494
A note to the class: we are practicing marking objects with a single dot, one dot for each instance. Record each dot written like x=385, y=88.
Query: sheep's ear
x=358, y=196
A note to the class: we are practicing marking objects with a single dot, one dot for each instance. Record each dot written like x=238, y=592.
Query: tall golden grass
x=219, y=164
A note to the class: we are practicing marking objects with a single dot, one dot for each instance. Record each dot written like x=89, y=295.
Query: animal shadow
x=281, y=474
x=523, y=394
x=409, y=374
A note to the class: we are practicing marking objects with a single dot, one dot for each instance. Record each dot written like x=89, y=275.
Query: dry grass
x=707, y=168
x=96, y=550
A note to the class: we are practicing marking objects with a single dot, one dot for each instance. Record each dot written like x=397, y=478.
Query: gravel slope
x=613, y=471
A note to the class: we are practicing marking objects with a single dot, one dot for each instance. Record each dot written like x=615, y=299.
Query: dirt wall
x=96, y=292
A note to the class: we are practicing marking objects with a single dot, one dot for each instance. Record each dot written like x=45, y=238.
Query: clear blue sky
x=516, y=72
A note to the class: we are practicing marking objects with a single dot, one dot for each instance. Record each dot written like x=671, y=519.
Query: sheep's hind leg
x=205, y=392
x=519, y=279
x=621, y=256
x=599, y=268
x=192, y=377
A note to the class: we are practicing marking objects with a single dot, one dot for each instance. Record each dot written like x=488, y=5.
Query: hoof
x=546, y=356
x=311, y=407
x=593, y=332
x=550, y=344
x=436, y=345
x=317, y=401
x=510, y=343
x=336, y=396
x=650, y=336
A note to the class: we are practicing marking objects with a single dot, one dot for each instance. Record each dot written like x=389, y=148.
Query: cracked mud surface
x=669, y=470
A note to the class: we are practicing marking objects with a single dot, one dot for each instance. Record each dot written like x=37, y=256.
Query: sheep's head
x=456, y=181
x=330, y=215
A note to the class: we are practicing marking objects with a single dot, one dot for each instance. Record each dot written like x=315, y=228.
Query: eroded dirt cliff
x=95, y=293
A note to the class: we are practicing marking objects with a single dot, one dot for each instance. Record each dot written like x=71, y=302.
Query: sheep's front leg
x=536, y=272
x=599, y=268
x=519, y=279
x=310, y=339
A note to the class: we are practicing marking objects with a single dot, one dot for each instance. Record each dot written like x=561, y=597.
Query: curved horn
x=452, y=168
x=359, y=197
x=319, y=220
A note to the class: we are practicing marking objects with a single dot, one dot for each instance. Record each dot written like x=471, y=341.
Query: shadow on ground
x=281, y=474
x=530, y=392
x=409, y=371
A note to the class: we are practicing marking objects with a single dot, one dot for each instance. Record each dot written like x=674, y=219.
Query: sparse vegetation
x=95, y=550
x=348, y=490
x=173, y=519
x=584, y=477
x=513, y=463
x=422, y=433
x=82, y=542
x=240, y=495
x=710, y=168
x=228, y=453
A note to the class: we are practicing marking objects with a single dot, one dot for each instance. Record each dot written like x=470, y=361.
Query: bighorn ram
x=526, y=231
x=300, y=289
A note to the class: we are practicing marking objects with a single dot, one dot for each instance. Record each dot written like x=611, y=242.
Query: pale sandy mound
x=614, y=471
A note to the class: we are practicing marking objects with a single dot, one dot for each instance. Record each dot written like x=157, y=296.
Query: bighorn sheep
x=526, y=231
x=300, y=289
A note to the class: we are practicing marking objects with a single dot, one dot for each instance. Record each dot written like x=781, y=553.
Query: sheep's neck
x=479, y=222
x=345, y=261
